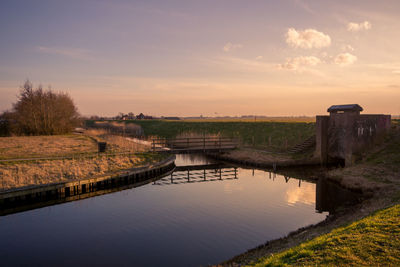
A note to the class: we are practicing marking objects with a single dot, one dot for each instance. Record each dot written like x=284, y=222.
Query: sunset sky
x=209, y=57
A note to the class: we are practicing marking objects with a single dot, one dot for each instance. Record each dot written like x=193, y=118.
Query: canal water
x=195, y=217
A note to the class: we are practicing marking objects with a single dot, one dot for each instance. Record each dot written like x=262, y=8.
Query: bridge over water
x=193, y=145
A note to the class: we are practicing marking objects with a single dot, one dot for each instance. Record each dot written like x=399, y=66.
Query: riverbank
x=371, y=241
x=264, y=159
x=377, y=177
x=39, y=160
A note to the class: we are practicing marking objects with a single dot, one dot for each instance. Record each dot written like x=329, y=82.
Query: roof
x=349, y=107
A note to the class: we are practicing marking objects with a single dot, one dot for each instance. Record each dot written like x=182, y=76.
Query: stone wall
x=343, y=137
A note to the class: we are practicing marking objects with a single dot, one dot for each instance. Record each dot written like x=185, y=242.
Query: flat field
x=45, y=146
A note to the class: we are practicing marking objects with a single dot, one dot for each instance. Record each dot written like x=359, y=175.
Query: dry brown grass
x=85, y=161
x=116, y=143
x=45, y=146
x=51, y=171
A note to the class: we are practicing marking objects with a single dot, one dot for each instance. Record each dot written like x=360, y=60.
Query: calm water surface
x=170, y=224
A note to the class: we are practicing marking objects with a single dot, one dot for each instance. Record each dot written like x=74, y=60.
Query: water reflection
x=194, y=219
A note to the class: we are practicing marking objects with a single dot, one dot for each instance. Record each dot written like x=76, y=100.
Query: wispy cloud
x=76, y=53
x=304, y=6
x=345, y=59
x=242, y=64
x=307, y=39
x=230, y=47
x=298, y=63
x=355, y=27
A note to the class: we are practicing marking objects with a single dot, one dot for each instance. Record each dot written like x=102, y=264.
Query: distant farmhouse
x=171, y=118
x=141, y=116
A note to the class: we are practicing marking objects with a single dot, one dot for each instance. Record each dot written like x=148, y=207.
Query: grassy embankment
x=67, y=157
x=274, y=136
x=370, y=241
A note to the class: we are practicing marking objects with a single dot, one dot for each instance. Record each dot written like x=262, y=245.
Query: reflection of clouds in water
x=304, y=194
x=230, y=188
x=191, y=159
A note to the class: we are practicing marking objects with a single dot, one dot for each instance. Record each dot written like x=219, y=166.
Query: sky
x=209, y=57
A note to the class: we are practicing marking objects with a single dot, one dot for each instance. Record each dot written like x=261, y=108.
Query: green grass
x=276, y=135
x=371, y=241
x=389, y=155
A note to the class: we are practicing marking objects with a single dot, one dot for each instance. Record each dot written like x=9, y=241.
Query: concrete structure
x=342, y=136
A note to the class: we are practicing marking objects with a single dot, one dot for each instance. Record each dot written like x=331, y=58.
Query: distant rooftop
x=349, y=107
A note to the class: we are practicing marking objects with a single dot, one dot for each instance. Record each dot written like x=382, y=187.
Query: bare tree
x=44, y=112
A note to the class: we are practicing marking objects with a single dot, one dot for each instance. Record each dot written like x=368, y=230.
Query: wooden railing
x=194, y=143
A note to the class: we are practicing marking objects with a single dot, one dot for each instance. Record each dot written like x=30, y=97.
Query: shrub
x=43, y=112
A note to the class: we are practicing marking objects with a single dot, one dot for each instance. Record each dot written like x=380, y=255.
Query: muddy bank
x=352, y=178
x=376, y=177
x=260, y=159
x=343, y=217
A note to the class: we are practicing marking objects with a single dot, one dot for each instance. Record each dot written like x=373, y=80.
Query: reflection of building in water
x=199, y=173
x=330, y=196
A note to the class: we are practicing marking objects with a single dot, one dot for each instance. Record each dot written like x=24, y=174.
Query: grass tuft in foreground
x=372, y=241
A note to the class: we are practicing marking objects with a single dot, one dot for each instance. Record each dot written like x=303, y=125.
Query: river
x=192, y=218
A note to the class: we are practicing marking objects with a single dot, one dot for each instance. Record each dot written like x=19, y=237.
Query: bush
x=42, y=112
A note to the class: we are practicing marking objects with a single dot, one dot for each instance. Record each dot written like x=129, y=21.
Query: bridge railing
x=204, y=143
x=206, y=174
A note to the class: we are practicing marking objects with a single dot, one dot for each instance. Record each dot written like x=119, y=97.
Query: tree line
x=40, y=112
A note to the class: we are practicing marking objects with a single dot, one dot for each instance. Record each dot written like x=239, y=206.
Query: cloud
x=259, y=57
x=307, y=39
x=355, y=27
x=230, y=47
x=299, y=62
x=68, y=52
x=345, y=59
x=347, y=48
x=396, y=72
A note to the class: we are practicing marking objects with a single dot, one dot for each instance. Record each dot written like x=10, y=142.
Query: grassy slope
x=379, y=168
x=274, y=134
x=372, y=241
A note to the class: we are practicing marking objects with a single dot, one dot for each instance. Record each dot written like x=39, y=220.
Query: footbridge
x=194, y=145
